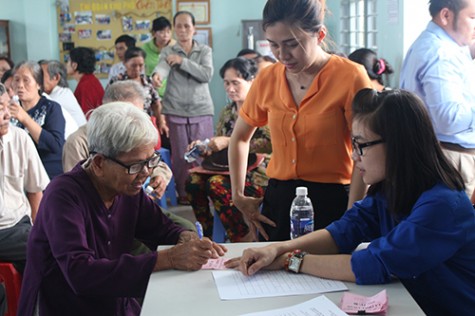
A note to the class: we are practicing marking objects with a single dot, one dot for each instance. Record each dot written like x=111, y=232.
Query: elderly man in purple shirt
x=79, y=260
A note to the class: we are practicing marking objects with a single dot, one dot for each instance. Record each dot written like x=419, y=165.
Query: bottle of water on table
x=301, y=214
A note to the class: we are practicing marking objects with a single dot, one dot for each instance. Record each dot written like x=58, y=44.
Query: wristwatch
x=295, y=261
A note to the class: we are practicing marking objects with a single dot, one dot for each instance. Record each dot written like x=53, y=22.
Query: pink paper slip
x=358, y=304
x=215, y=264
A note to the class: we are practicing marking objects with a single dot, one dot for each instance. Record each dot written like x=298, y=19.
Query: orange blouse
x=310, y=142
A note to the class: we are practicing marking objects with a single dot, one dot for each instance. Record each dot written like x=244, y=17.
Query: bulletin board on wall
x=97, y=23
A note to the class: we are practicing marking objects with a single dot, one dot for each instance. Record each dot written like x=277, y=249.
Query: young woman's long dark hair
x=414, y=160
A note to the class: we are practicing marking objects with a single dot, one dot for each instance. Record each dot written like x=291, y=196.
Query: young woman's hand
x=249, y=207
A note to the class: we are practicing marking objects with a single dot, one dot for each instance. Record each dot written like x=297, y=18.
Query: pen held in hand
x=199, y=229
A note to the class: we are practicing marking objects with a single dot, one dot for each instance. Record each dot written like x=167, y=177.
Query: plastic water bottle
x=151, y=193
x=200, y=148
x=250, y=37
x=14, y=121
x=301, y=214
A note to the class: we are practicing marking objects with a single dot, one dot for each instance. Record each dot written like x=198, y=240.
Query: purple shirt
x=78, y=257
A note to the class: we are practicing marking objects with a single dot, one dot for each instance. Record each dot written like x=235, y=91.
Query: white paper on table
x=233, y=285
x=319, y=306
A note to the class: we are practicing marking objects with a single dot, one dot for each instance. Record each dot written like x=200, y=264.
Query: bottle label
x=300, y=227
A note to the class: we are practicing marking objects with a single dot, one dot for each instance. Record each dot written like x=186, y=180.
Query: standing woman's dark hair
x=246, y=68
x=308, y=14
x=414, y=159
x=85, y=59
x=375, y=67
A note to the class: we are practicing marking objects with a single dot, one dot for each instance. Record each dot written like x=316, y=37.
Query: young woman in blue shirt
x=418, y=220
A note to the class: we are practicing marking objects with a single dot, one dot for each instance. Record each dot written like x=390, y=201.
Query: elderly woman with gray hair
x=41, y=118
x=79, y=248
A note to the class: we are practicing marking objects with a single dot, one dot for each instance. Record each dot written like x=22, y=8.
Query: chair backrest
x=12, y=280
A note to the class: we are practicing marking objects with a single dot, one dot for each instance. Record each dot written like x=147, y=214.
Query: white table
x=175, y=293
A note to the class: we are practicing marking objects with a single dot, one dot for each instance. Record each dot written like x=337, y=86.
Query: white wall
x=226, y=16
x=14, y=12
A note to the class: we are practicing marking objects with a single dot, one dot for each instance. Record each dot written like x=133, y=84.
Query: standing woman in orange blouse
x=305, y=99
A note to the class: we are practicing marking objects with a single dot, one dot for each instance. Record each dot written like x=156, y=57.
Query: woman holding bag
x=238, y=75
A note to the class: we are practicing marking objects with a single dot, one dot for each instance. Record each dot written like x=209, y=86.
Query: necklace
x=296, y=79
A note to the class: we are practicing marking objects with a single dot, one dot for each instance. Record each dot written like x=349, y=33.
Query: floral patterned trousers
x=217, y=188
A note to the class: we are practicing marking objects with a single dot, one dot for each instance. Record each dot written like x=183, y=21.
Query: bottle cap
x=148, y=190
x=301, y=191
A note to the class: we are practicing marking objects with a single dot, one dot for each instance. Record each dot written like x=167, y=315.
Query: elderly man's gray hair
x=127, y=90
x=119, y=127
x=54, y=68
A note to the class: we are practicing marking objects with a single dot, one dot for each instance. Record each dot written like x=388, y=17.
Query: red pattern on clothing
x=218, y=188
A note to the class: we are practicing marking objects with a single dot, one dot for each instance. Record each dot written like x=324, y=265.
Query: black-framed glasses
x=358, y=147
x=137, y=167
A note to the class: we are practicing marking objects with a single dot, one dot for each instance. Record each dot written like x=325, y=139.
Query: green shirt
x=151, y=60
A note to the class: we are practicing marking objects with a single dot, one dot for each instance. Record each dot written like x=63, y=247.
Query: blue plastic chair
x=170, y=192
x=219, y=233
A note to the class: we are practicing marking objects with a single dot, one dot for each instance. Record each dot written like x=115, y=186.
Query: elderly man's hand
x=192, y=255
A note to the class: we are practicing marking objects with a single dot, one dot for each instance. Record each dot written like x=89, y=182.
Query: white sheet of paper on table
x=319, y=306
x=233, y=285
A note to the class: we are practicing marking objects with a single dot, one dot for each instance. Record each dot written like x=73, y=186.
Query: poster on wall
x=199, y=8
x=97, y=23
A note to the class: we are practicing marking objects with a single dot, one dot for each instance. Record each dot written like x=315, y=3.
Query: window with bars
x=358, y=25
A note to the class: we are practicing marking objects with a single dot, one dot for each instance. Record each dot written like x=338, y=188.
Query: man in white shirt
x=122, y=43
x=438, y=67
x=22, y=181
x=55, y=82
